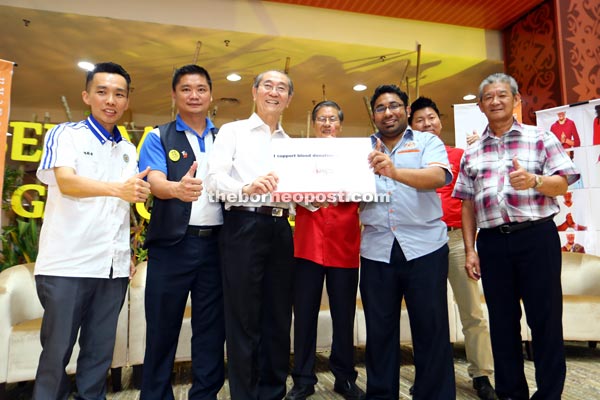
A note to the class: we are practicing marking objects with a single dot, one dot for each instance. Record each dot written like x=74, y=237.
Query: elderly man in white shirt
x=256, y=245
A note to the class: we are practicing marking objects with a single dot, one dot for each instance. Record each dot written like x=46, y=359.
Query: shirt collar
x=180, y=125
x=407, y=135
x=102, y=134
x=516, y=127
x=256, y=121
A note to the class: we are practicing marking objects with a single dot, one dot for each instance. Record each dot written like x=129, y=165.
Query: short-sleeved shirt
x=153, y=155
x=85, y=237
x=412, y=217
x=486, y=165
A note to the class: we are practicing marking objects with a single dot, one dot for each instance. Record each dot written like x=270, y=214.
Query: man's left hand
x=520, y=179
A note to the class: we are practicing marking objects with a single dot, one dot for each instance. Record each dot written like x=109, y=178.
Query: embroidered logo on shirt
x=409, y=147
x=88, y=153
x=126, y=158
x=174, y=155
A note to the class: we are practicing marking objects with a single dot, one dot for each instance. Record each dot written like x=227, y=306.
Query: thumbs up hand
x=519, y=178
x=135, y=189
x=381, y=162
x=189, y=187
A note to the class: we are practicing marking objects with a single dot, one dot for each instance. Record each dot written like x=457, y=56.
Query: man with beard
x=404, y=254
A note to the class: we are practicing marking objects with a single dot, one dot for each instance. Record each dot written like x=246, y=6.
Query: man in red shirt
x=326, y=247
x=425, y=117
x=566, y=132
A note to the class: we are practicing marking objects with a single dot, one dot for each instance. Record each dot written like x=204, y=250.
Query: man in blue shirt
x=183, y=256
x=404, y=254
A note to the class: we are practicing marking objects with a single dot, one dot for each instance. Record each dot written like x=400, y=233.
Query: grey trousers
x=88, y=305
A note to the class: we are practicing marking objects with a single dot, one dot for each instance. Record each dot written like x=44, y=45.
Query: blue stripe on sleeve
x=49, y=157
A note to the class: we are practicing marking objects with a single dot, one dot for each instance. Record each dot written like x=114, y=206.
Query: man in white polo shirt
x=84, y=262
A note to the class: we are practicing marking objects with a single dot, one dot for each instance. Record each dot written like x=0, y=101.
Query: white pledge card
x=324, y=166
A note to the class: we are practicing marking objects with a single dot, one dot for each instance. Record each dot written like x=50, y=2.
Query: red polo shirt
x=329, y=236
x=452, y=207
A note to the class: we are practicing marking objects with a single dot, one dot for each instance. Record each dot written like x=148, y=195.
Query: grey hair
x=502, y=78
x=259, y=77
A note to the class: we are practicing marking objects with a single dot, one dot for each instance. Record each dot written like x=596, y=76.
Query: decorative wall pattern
x=580, y=23
x=531, y=57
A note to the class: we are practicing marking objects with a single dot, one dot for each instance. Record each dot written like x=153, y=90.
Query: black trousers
x=257, y=256
x=191, y=267
x=341, y=290
x=91, y=305
x=422, y=283
x=524, y=265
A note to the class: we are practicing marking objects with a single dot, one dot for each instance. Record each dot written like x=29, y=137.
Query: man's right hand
x=472, y=265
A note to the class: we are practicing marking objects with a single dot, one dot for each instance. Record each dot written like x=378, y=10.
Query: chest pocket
x=407, y=158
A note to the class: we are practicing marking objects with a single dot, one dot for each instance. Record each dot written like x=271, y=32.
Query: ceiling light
x=233, y=77
x=88, y=66
x=469, y=97
x=359, y=87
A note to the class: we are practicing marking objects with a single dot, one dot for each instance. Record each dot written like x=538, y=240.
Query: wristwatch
x=538, y=181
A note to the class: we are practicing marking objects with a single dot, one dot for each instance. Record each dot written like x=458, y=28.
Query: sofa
x=20, y=322
x=581, y=297
x=21, y=313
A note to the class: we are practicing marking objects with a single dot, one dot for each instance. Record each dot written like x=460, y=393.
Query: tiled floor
x=583, y=370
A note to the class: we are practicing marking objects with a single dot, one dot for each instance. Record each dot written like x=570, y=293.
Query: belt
x=202, y=231
x=265, y=210
x=518, y=226
x=452, y=228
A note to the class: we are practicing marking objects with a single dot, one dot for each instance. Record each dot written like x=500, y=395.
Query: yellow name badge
x=174, y=155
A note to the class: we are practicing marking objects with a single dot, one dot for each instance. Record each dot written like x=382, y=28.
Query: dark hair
x=421, y=103
x=110, y=68
x=327, y=103
x=379, y=90
x=259, y=77
x=190, y=69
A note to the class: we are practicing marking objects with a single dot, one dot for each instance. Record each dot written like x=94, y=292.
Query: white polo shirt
x=85, y=237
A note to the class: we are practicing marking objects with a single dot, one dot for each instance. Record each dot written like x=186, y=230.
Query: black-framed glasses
x=393, y=106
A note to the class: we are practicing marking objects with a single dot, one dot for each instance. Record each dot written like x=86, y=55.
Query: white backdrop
x=585, y=195
x=585, y=207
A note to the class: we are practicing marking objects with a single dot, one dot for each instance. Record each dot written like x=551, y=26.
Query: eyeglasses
x=281, y=89
x=332, y=119
x=392, y=107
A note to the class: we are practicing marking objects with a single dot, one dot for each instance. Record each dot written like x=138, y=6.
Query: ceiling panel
x=486, y=14
x=48, y=46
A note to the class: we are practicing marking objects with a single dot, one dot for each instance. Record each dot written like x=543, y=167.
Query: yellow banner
x=6, y=71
